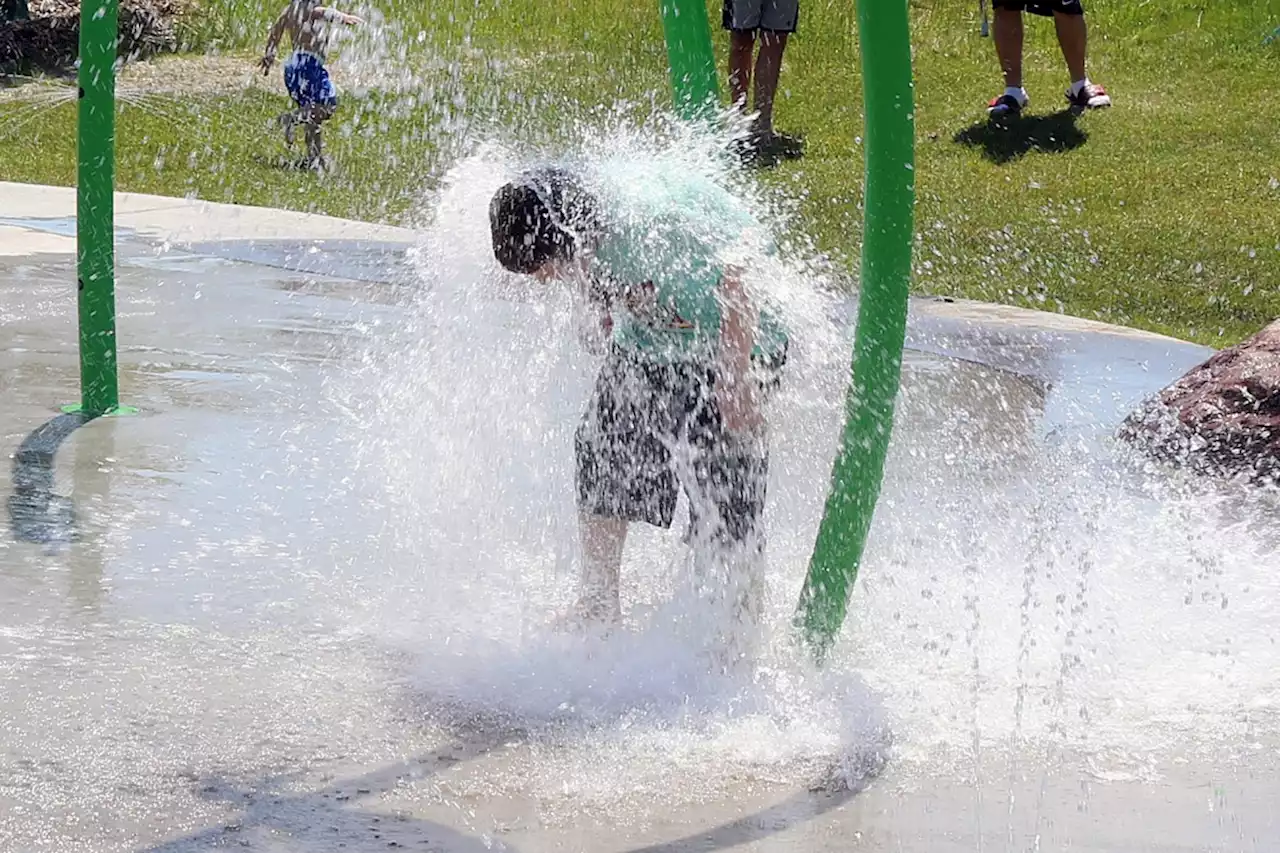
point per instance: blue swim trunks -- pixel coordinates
(308, 82)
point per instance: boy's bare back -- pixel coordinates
(307, 23)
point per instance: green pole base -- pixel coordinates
(113, 412)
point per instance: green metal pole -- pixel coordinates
(95, 207)
(885, 40)
(691, 58)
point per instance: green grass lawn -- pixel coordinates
(1161, 213)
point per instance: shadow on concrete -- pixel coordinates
(1005, 140)
(36, 514)
(800, 807)
(330, 819)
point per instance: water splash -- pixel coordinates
(1028, 546)
(467, 415)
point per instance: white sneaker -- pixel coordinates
(1090, 97)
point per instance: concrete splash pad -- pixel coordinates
(212, 650)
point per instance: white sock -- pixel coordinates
(1017, 92)
(1078, 85)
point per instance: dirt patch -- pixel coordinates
(198, 75)
(169, 75)
(181, 75)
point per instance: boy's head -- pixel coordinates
(540, 218)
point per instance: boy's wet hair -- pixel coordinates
(542, 215)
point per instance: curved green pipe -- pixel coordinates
(885, 37)
(691, 58)
(882, 321)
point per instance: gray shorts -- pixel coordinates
(640, 412)
(1041, 7)
(778, 16)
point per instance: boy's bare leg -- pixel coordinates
(1008, 39)
(314, 117)
(1073, 39)
(289, 121)
(315, 144)
(742, 45)
(602, 542)
(768, 69)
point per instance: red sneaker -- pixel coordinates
(1005, 106)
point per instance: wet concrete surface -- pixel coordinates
(177, 671)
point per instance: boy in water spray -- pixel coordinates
(657, 261)
(305, 77)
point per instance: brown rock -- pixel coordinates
(1221, 418)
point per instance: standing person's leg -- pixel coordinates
(778, 20)
(742, 19)
(1073, 39)
(323, 107)
(768, 69)
(1068, 19)
(742, 45)
(313, 117)
(315, 142)
(1007, 33)
(289, 121)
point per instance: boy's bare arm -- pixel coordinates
(739, 317)
(332, 15)
(593, 313)
(273, 41)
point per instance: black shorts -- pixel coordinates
(1041, 7)
(651, 428)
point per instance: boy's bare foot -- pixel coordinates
(586, 615)
(317, 163)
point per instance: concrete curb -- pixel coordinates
(989, 314)
(182, 221)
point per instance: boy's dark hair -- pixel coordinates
(542, 215)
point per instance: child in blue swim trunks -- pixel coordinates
(308, 25)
